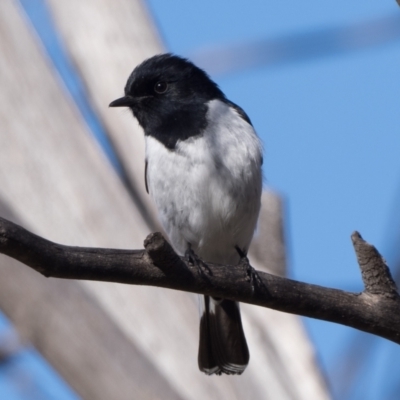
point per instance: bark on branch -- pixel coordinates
(376, 310)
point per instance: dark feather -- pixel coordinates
(239, 110)
(145, 177)
(223, 347)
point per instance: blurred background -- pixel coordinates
(321, 85)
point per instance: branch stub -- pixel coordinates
(375, 272)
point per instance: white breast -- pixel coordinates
(207, 191)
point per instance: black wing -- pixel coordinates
(240, 111)
(145, 177)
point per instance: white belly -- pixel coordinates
(207, 191)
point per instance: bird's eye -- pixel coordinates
(161, 87)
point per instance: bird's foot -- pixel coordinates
(251, 274)
(192, 258)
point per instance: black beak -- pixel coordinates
(125, 101)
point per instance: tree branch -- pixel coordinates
(376, 310)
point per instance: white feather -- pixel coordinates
(207, 191)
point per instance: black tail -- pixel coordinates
(223, 348)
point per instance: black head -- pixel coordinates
(168, 96)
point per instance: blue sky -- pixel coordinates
(330, 127)
(25, 375)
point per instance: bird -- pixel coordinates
(203, 169)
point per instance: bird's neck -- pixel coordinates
(178, 125)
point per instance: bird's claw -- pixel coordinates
(251, 274)
(192, 258)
